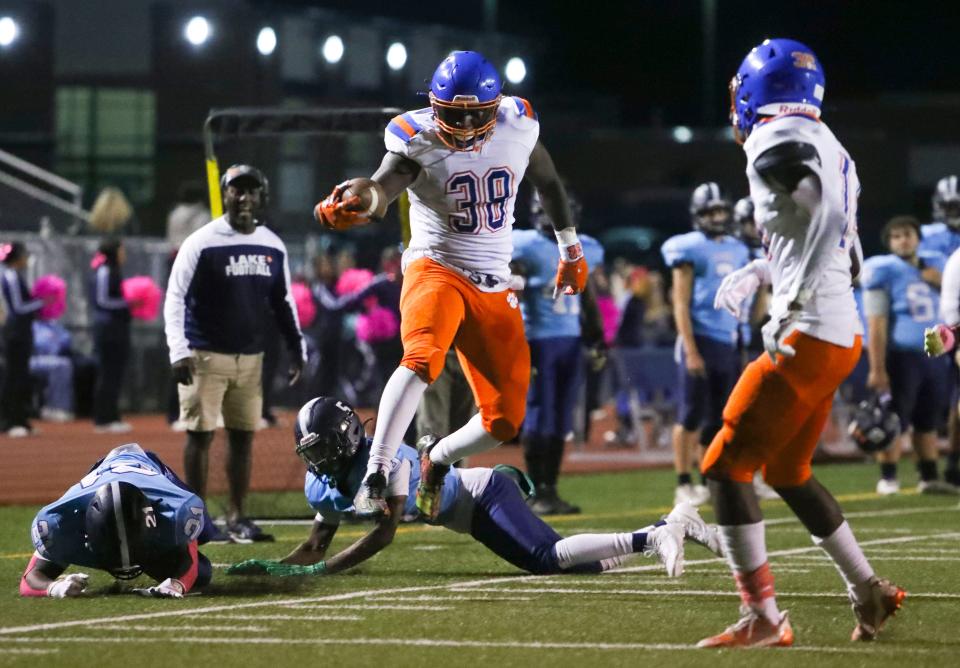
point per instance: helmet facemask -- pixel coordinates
(464, 124)
(739, 117)
(330, 451)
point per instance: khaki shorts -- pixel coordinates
(227, 384)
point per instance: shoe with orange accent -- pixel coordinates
(753, 630)
(885, 599)
(431, 479)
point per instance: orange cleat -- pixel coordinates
(753, 630)
(885, 599)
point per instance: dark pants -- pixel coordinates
(503, 522)
(112, 350)
(17, 384)
(702, 398)
(919, 387)
(557, 375)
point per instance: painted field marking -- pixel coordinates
(292, 618)
(691, 592)
(370, 606)
(140, 628)
(488, 644)
(453, 599)
(27, 650)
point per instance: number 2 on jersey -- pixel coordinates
(480, 202)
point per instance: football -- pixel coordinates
(373, 200)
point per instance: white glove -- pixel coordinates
(169, 588)
(735, 289)
(68, 585)
(776, 330)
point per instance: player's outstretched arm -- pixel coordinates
(379, 537)
(572, 271)
(314, 548)
(42, 578)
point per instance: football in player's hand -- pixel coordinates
(373, 200)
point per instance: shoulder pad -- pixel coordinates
(405, 127)
(524, 108)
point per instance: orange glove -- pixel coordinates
(340, 214)
(571, 277)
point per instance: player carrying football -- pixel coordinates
(462, 160)
(805, 188)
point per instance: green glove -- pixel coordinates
(274, 567)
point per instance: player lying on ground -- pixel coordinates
(805, 187)
(129, 515)
(486, 503)
(461, 161)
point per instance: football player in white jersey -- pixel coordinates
(804, 186)
(461, 159)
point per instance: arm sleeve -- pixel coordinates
(175, 304)
(328, 517)
(17, 305)
(285, 311)
(104, 300)
(876, 303)
(950, 291)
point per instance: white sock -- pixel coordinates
(744, 546)
(398, 404)
(849, 559)
(588, 547)
(468, 440)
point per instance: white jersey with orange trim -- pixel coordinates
(815, 259)
(462, 202)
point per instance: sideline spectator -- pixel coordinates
(111, 335)
(52, 364)
(189, 214)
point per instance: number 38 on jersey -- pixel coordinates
(480, 201)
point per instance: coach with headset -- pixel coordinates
(225, 276)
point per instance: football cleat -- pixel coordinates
(884, 601)
(753, 630)
(937, 487)
(665, 543)
(244, 531)
(431, 479)
(694, 528)
(888, 487)
(369, 501)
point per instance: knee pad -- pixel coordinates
(425, 360)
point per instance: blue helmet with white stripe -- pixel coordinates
(780, 76)
(117, 523)
(465, 95)
(710, 208)
(328, 435)
(946, 202)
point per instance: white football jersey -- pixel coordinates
(462, 202)
(827, 244)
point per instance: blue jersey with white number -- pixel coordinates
(712, 258)
(914, 305)
(543, 316)
(58, 529)
(939, 238)
(331, 501)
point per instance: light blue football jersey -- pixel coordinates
(914, 305)
(330, 502)
(58, 529)
(543, 316)
(939, 238)
(711, 259)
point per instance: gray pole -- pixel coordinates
(708, 76)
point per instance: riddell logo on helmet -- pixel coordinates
(804, 60)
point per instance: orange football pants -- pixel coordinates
(440, 308)
(776, 412)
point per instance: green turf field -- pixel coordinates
(438, 598)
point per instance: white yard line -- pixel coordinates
(289, 618)
(371, 606)
(27, 650)
(454, 599)
(177, 629)
(430, 643)
(579, 591)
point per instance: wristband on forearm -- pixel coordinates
(569, 244)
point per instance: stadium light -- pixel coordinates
(682, 134)
(396, 56)
(516, 70)
(9, 30)
(266, 41)
(197, 30)
(333, 49)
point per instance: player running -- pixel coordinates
(805, 187)
(486, 503)
(706, 348)
(129, 515)
(900, 303)
(462, 160)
